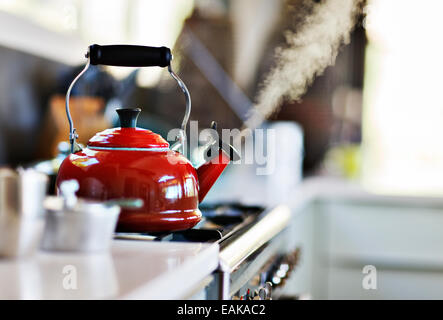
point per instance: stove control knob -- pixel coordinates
(268, 287)
(262, 294)
(284, 268)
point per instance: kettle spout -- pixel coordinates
(210, 171)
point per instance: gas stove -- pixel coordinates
(255, 255)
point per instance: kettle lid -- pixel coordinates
(128, 135)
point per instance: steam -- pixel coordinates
(310, 49)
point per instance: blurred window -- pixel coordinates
(83, 22)
(403, 108)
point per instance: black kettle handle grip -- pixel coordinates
(129, 56)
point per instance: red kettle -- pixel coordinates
(131, 162)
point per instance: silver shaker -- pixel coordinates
(22, 194)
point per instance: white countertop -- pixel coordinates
(132, 270)
(335, 189)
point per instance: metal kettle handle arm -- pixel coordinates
(72, 131)
(180, 143)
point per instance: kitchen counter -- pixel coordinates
(132, 270)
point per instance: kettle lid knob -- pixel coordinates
(128, 117)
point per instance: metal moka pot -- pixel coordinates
(22, 194)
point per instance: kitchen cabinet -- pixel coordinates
(341, 229)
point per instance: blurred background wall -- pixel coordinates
(239, 36)
(25, 87)
(374, 116)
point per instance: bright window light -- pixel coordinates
(403, 105)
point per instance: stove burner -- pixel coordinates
(225, 220)
(229, 209)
